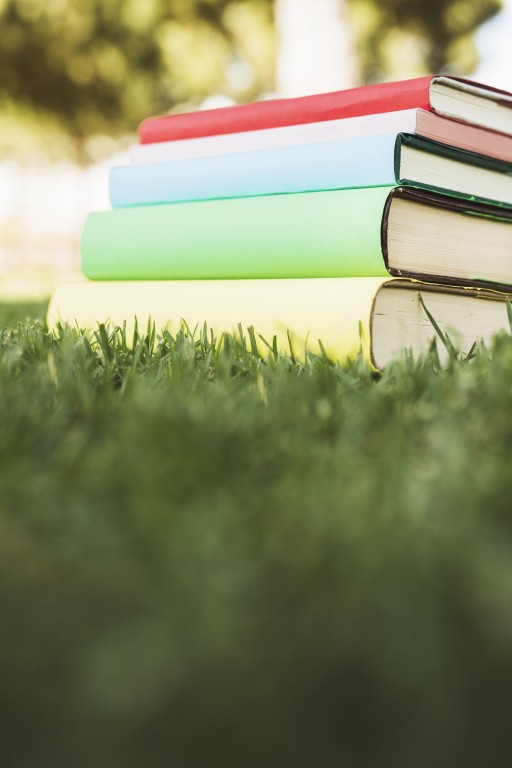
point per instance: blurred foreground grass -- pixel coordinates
(210, 560)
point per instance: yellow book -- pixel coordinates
(330, 309)
(380, 317)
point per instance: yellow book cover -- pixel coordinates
(343, 316)
(334, 310)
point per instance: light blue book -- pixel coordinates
(351, 163)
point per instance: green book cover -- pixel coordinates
(314, 234)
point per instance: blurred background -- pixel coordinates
(78, 76)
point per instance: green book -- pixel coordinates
(342, 233)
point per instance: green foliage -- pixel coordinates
(206, 558)
(104, 65)
(432, 37)
(101, 66)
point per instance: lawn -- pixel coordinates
(210, 559)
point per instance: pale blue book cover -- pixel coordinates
(366, 161)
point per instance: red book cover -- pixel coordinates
(365, 100)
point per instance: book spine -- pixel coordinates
(366, 100)
(351, 163)
(336, 311)
(317, 234)
(272, 138)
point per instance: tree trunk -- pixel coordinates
(315, 48)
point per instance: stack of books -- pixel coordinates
(292, 215)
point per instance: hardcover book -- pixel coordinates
(338, 315)
(354, 162)
(450, 97)
(417, 121)
(343, 233)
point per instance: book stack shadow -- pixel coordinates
(371, 218)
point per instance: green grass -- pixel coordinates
(207, 559)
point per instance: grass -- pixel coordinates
(207, 559)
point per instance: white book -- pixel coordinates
(269, 138)
(418, 121)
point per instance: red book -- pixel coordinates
(451, 97)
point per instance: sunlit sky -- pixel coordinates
(495, 46)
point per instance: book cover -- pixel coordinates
(336, 311)
(284, 136)
(418, 121)
(343, 316)
(368, 99)
(341, 233)
(317, 234)
(355, 162)
(450, 96)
